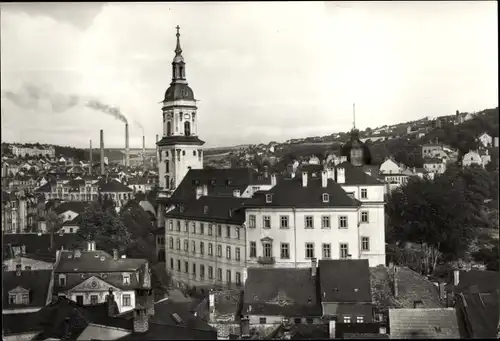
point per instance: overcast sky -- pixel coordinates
(262, 71)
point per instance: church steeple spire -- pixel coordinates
(178, 65)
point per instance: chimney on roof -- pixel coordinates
(236, 193)
(340, 175)
(90, 157)
(458, 112)
(127, 150)
(456, 277)
(245, 327)
(141, 321)
(205, 190)
(211, 304)
(102, 152)
(111, 304)
(115, 254)
(18, 271)
(266, 173)
(273, 179)
(304, 179)
(314, 264)
(324, 178)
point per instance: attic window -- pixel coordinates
(326, 197)
(228, 182)
(212, 182)
(196, 182)
(205, 209)
(181, 208)
(230, 213)
(126, 278)
(269, 198)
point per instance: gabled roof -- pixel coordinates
(481, 313)
(90, 261)
(218, 209)
(280, 291)
(219, 182)
(344, 280)
(35, 243)
(356, 175)
(435, 323)
(291, 193)
(44, 189)
(37, 282)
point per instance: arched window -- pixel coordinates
(181, 72)
(169, 128)
(187, 128)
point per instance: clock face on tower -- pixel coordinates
(187, 116)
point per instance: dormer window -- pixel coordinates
(228, 182)
(326, 197)
(230, 213)
(62, 280)
(269, 198)
(126, 278)
(205, 209)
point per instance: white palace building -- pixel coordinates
(219, 222)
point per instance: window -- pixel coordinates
(237, 254)
(262, 320)
(193, 247)
(359, 319)
(193, 229)
(187, 127)
(327, 251)
(170, 225)
(12, 298)
(238, 278)
(238, 233)
(205, 209)
(126, 302)
(178, 226)
(194, 269)
(171, 263)
(219, 231)
(267, 249)
(253, 249)
(309, 250)
(202, 271)
(209, 229)
(285, 251)
(347, 319)
(27, 267)
(179, 265)
(186, 224)
(228, 252)
(178, 244)
(251, 221)
(70, 230)
(210, 272)
(344, 251)
(219, 251)
(365, 244)
(219, 274)
(126, 278)
(269, 198)
(228, 231)
(202, 248)
(364, 216)
(210, 249)
(284, 222)
(186, 245)
(266, 221)
(297, 320)
(228, 276)
(343, 222)
(171, 242)
(325, 222)
(94, 299)
(62, 280)
(309, 222)
(202, 228)
(364, 193)
(326, 197)
(186, 267)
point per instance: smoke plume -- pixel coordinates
(139, 125)
(113, 111)
(36, 97)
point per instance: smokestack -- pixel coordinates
(127, 150)
(90, 163)
(102, 152)
(144, 152)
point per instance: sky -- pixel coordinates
(261, 71)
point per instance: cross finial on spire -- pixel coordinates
(178, 49)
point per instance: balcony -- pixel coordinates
(265, 260)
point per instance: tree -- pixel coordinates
(488, 257)
(434, 214)
(104, 227)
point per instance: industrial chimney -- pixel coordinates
(157, 150)
(127, 150)
(102, 152)
(144, 152)
(90, 162)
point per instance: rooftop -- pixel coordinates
(37, 282)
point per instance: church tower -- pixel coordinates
(180, 149)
